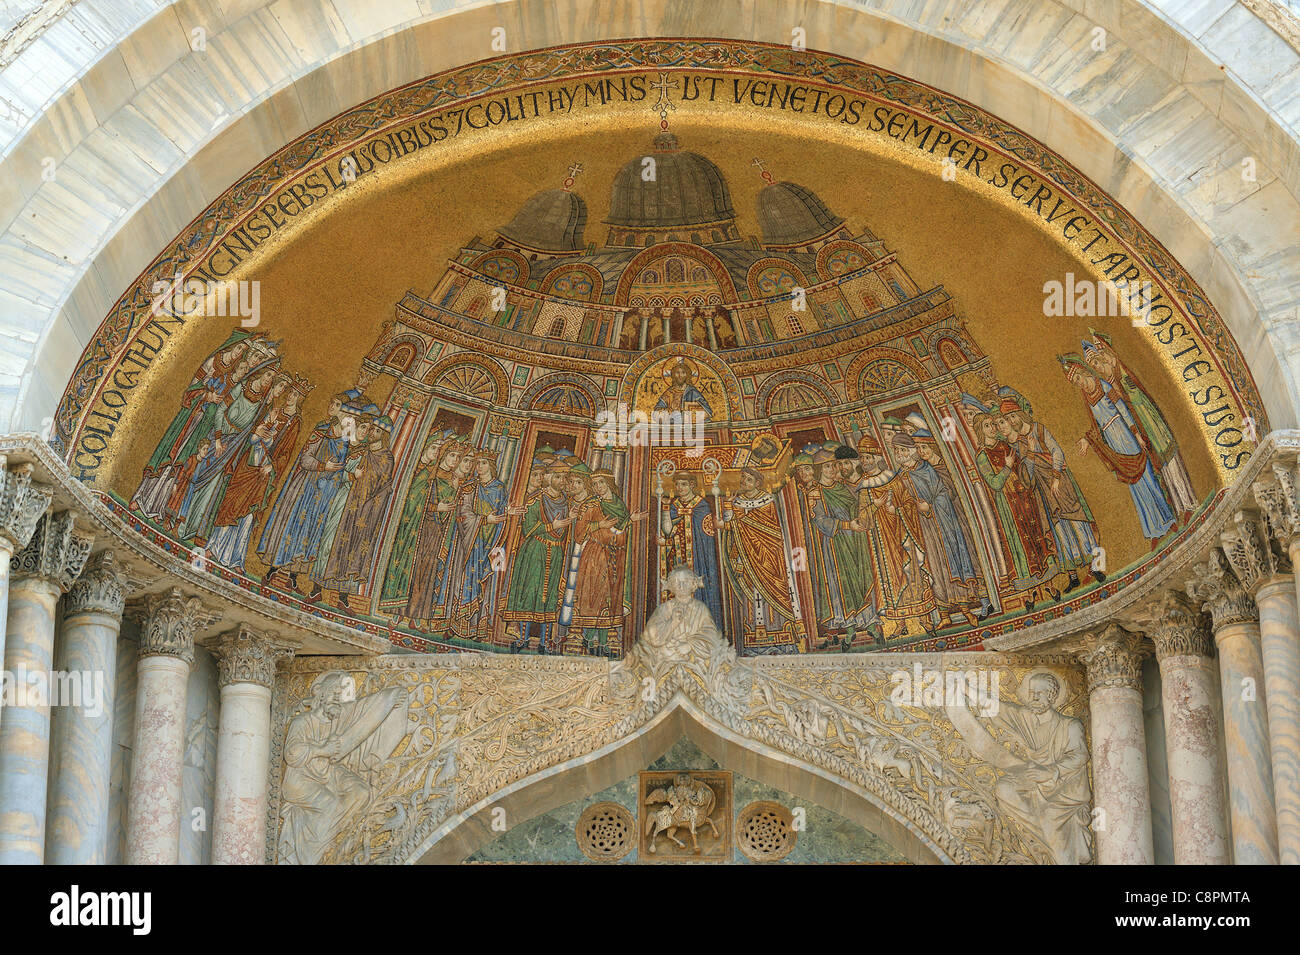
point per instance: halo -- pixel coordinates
(685, 362)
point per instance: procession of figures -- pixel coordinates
(909, 524)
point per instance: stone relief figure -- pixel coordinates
(688, 803)
(1043, 755)
(330, 750)
(682, 632)
(683, 623)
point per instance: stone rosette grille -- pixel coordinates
(765, 831)
(606, 832)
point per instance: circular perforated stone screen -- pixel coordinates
(606, 832)
(764, 831)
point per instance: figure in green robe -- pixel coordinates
(537, 577)
(397, 578)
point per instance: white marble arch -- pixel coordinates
(463, 834)
(143, 132)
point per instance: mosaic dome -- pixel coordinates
(792, 215)
(686, 189)
(551, 221)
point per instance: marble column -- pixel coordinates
(21, 506)
(1189, 693)
(1113, 659)
(1279, 628)
(1245, 720)
(42, 571)
(246, 664)
(81, 750)
(166, 650)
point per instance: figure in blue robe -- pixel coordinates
(956, 582)
(693, 544)
(481, 580)
(1115, 422)
(296, 524)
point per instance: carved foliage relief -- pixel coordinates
(1002, 777)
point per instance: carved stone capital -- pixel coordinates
(246, 656)
(1113, 658)
(1272, 501)
(1175, 625)
(21, 505)
(1248, 546)
(1218, 590)
(101, 588)
(168, 621)
(55, 552)
(1279, 501)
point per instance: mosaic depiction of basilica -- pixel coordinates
(895, 491)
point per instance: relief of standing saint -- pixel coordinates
(330, 749)
(1044, 759)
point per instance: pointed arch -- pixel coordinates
(463, 834)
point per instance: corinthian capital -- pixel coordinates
(56, 551)
(1218, 590)
(1279, 500)
(1249, 550)
(21, 504)
(168, 621)
(1175, 625)
(101, 588)
(1113, 657)
(246, 656)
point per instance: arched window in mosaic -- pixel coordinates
(566, 400)
(401, 356)
(468, 379)
(950, 353)
(885, 375)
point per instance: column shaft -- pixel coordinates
(243, 762)
(1190, 699)
(154, 805)
(83, 747)
(1279, 630)
(1119, 769)
(153, 812)
(22, 506)
(1121, 789)
(1245, 728)
(25, 729)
